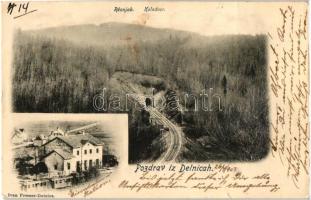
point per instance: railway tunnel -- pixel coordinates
(148, 102)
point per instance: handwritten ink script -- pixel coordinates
(92, 187)
(219, 176)
(19, 9)
(289, 91)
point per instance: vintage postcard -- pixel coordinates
(135, 99)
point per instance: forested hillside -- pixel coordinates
(63, 72)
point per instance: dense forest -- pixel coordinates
(55, 73)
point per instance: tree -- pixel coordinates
(172, 105)
(40, 168)
(224, 84)
(110, 160)
(23, 167)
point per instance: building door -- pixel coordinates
(78, 166)
(90, 163)
(97, 163)
(85, 165)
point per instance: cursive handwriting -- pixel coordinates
(288, 84)
(221, 176)
(92, 187)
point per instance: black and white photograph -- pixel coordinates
(71, 152)
(189, 97)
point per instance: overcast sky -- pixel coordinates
(199, 17)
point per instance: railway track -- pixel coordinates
(175, 137)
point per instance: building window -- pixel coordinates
(68, 166)
(85, 151)
(78, 152)
(90, 151)
(55, 167)
(90, 163)
(97, 151)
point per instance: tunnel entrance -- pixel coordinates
(148, 102)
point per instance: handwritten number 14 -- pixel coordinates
(22, 6)
(20, 9)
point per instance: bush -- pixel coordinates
(40, 168)
(110, 160)
(91, 173)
